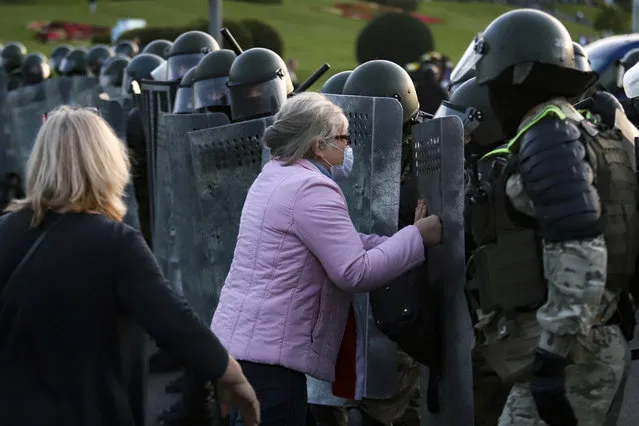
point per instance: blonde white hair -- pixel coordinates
(304, 119)
(77, 164)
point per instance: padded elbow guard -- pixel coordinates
(559, 181)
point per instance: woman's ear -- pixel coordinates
(317, 148)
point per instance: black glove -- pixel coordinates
(548, 388)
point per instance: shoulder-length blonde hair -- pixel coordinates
(77, 164)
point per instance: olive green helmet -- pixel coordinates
(471, 103)
(96, 57)
(75, 63)
(58, 54)
(517, 39)
(187, 51)
(139, 68)
(12, 56)
(112, 72)
(159, 47)
(384, 79)
(259, 83)
(126, 48)
(184, 95)
(211, 76)
(335, 84)
(35, 69)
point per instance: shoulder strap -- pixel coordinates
(34, 247)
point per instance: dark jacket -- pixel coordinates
(61, 321)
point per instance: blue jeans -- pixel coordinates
(281, 392)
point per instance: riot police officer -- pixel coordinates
(139, 69)
(96, 57)
(58, 54)
(209, 88)
(126, 48)
(184, 95)
(335, 84)
(11, 60)
(35, 69)
(380, 78)
(552, 292)
(159, 47)
(187, 51)
(259, 84)
(74, 64)
(112, 75)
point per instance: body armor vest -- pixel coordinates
(508, 260)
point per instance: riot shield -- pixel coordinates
(115, 112)
(156, 97)
(226, 161)
(438, 147)
(6, 158)
(79, 90)
(25, 108)
(372, 193)
(176, 197)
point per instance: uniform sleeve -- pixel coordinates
(575, 273)
(144, 294)
(372, 240)
(322, 222)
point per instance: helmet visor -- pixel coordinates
(631, 82)
(67, 65)
(470, 117)
(180, 64)
(159, 74)
(259, 99)
(127, 79)
(211, 92)
(621, 71)
(106, 80)
(183, 101)
(468, 61)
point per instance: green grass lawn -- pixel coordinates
(311, 35)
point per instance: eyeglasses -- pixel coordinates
(94, 110)
(345, 138)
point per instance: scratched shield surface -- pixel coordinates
(226, 161)
(372, 194)
(156, 97)
(438, 147)
(183, 196)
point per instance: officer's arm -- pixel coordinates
(559, 183)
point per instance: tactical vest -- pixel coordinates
(508, 261)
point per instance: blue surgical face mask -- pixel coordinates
(344, 170)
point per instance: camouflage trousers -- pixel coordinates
(594, 387)
(403, 409)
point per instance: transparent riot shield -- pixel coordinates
(79, 90)
(438, 147)
(25, 109)
(176, 197)
(226, 161)
(372, 193)
(156, 97)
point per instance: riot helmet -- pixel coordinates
(582, 62)
(96, 57)
(184, 95)
(526, 47)
(35, 69)
(58, 54)
(625, 63)
(461, 80)
(12, 56)
(187, 51)
(139, 68)
(126, 48)
(335, 84)
(160, 48)
(259, 84)
(211, 75)
(112, 72)
(384, 79)
(74, 63)
(471, 103)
